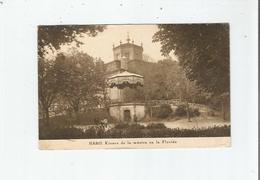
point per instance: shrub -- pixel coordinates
(129, 126)
(194, 112)
(164, 111)
(211, 113)
(60, 133)
(156, 126)
(94, 117)
(84, 118)
(181, 110)
(121, 126)
(132, 131)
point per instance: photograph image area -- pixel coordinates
(143, 81)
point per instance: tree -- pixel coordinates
(160, 80)
(170, 75)
(148, 58)
(186, 91)
(49, 86)
(203, 52)
(101, 75)
(81, 81)
(52, 38)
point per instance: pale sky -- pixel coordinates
(101, 45)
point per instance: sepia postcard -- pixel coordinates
(134, 86)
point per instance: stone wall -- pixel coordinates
(117, 111)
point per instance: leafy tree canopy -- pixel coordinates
(203, 52)
(52, 75)
(53, 37)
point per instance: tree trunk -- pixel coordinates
(188, 111)
(47, 116)
(151, 112)
(76, 113)
(223, 111)
(69, 112)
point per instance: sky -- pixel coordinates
(101, 45)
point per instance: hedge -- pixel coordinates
(132, 131)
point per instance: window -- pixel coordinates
(117, 56)
(126, 55)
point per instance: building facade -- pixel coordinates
(117, 71)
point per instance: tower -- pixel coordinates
(119, 79)
(128, 51)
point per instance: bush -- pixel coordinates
(181, 110)
(211, 113)
(129, 126)
(60, 133)
(84, 118)
(94, 117)
(156, 126)
(194, 112)
(164, 111)
(133, 131)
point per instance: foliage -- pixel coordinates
(60, 133)
(195, 112)
(181, 110)
(134, 94)
(164, 80)
(164, 111)
(50, 78)
(80, 80)
(100, 72)
(155, 126)
(128, 126)
(75, 80)
(49, 86)
(132, 131)
(159, 112)
(90, 117)
(203, 52)
(53, 37)
(159, 84)
(94, 117)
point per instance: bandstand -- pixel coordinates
(119, 108)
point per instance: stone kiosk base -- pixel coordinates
(126, 112)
